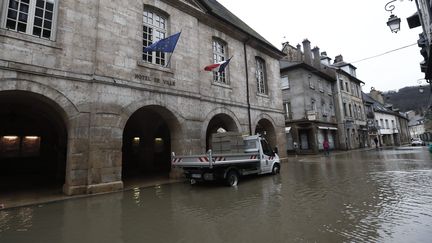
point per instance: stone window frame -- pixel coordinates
(261, 75)
(220, 54)
(38, 18)
(159, 24)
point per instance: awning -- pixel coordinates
(287, 129)
(328, 128)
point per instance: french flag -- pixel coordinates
(220, 66)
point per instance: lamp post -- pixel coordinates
(393, 22)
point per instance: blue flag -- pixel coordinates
(165, 45)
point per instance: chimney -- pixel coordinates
(377, 95)
(307, 52)
(299, 53)
(317, 57)
(325, 60)
(338, 59)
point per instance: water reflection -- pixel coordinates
(374, 196)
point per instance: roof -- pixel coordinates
(218, 10)
(351, 77)
(286, 66)
(416, 120)
(380, 108)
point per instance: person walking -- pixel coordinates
(326, 147)
(376, 142)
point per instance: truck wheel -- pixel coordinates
(231, 178)
(276, 169)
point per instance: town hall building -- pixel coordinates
(85, 108)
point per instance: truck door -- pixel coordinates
(267, 157)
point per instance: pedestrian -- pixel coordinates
(376, 142)
(326, 147)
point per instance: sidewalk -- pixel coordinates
(50, 194)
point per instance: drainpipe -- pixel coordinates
(247, 87)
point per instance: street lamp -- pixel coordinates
(393, 22)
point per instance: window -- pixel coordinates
(313, 105)
(345, 109)
(347, 87)
(320, 86)
(341, 84)
(154, 29)
(287, 109)
(33, 17)
(393, 124)
(350, 110)
(261, 76)
(355, 111)
(285, 82)
(220, 55)
(311, 84)
(382, 123)
(387, 124)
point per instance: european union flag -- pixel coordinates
(165, 45)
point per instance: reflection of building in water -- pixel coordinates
(107, 112)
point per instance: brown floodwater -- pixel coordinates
(372, 196)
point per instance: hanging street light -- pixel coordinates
(393, 22)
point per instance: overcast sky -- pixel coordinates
(355, 29)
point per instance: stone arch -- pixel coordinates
(68, 109)
(265, 125)
(218, 117)
(152, 130)
(45, 112)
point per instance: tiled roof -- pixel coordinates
(221, 12)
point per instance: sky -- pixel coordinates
(356, 29)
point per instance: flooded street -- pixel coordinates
(362, 196)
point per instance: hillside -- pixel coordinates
(408, 98)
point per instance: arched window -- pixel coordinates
(154, 29)
(220, 55)
(261, 76)
(33, 17)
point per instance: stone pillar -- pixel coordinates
(105, 154)
(77, 155)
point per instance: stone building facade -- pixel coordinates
(84, 105)
(353, 132)
(389, 126)
(307, 91)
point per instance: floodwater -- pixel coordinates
(369, 196)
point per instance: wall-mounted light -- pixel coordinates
(10, 137)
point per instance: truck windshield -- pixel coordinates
(266, 148)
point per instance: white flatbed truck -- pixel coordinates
(257, 158)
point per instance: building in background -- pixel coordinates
(307, 92)
(388, 125)
(353, 130)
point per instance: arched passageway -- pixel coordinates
(33, 142)
(267, 130)
(147, 143)
(220, 123)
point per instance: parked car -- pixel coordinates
(417, 142)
